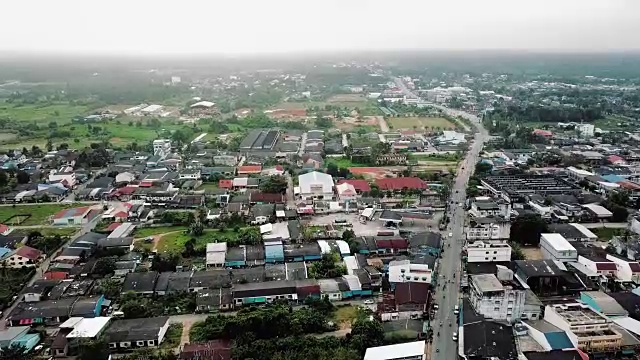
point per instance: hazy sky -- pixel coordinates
(265, 26)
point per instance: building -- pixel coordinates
(402, 271)
(485, 209)
(488, 228)
(496, 299)
(627, 270)
(260, 140)
(74, 216)
(484, 251)
(587, 329)
(515, 188)
(405, 351)
(210, 350)
(264, 292)
(316, 185)
(361, 186)
(346, 192)
(64, 175)
(136, 333)
(216, 253)
(401, 183)
(18, 336)
(23, 257)
(76, 330)
(556, 247)
(162, 148)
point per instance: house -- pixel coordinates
(398, 184)
(23, 257)
(5, 230)
(410, 301)
(497, 297)
(215, 256)
(264, 292)
(245, 183)
(426, 242)
(74, 216)
(191, 174)
(225, 184)
(628, 270)
(140, 283)
(485, 209)
(136, 333)
(316, 185)
(360, 186)
(346, 192)
(210, 350)
(76, 330)
(616, 160)
(312, 161)
(403, 271)
(601, 266)
(18, 336)
(488, 228)
(249, 169)
(125, 177)
(488, 251)
(64, 175)
(53, 312)
(214, 300)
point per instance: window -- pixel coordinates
(113, 345)
(496, 309)
(151, 343)
(487, 253)
(125, 344)
(487, 259)
(415, 278)
(495, 252)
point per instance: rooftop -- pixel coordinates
(396, 351)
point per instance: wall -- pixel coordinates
(484, 253)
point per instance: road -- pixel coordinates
(42, 268)
(449, 266)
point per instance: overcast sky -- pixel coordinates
(267, 26)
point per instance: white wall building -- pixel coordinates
(65, 173)
(496, 299)
(556, 247)
(404, 271)
(488, 229)
(346, 192)
(404, 351)
(482, 251)
(627, 270)
(586, 130)
(162, 147)
(316, 185)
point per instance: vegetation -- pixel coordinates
(329, 266)
(136, 306)
(421, 123)
(526, 229)
(13, 280)
(39, 214)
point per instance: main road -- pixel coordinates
(447, 294)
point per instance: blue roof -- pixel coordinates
(4, 251)
(558, 340)
(613, 178)
(274, 251)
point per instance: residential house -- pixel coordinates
(136, 333)
(249, 170)
(18, 336)
(346, 192)
(410, 302)
(214, 300)
(497, 297)
(488, 228)
(22, 257)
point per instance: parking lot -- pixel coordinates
(371, 228)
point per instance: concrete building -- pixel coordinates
(483, 251)
(316, 185)
(488, 228)
(65, 175)
(73, 216)
(556, 247)
(162, 147)
(587, 329)
(498, 297)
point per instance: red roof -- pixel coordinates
(279, 168)
(113, 226)
(401, 183)
(249, 169)
(266, 197)
(225, 184)
(608, 266)
(392, 244)
(412, 293)
(55, 275)
(3, 228)
(71, 212)
(635, 267)
(211, 350)
(121, 214)
(146, 183)
(359, 185)
(28, 252)
(127, 190)
(629, 185)
(542, 132)
(613, 158)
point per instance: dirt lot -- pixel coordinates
(420, 123)
(350, 123)
(532, 253)
(371, 228)
(352, 99)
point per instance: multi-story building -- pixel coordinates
(405, 351)
(162, 147)
(556, 247)
(498, 299)
(587, 329)
(401, 271)
(488, 228)
(65, 175)
(483, 251)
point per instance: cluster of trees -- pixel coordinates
(95, 156)
(550, 114)
(9, 179)
(335, 171)
(526, 229)
(328, 267)
(617, 203)
(46, 244)
(135, 306)
(184, 218)
(274, 184)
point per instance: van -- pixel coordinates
(118, 314)
(456, 310)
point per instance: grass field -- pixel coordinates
(605, 234)
(345, 315)
(61, 231)
(208, 186)
(342, 162)
(149, 231)
(174, 242)
(58, 112)
(40, 213)
(420, 123)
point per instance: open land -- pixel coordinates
(420, 123)
(39, 213)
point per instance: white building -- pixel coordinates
(193, 174)
(482, 251)
(556, 247)
(484, 228)
(404, 271)
(484, 208)
(316, 185)
(496, 299)
(578, 174)
(346, 192)
(451, 137)
(175, 80)
(586, 130)
(162, 147)
(65, 174)
(404, 351)
(627, 270)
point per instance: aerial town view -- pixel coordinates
(287, 193)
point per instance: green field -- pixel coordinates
(342, 162)
(40, 213)
(208, 186)
(61, 112)
(421, 123)
(60, 231)
(174, 242)
(150, 231)
(605, 234)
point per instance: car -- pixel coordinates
(450, 234)
(148, 239)
(455, 336)
(369, 301)
(456, 310)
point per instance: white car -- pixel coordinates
(369, 302)
(456, 310)
(455, 336)
(450, 234)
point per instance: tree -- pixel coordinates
(323, 122)
(110, 288)
(163, 263)
(105, 266)
(366, 333)
(483, 167)
(23, 177)
(49, 145)
(332, 169)
(93, 350)
(15, 352)
(4, 179)
(275, 184)
(526, 229)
